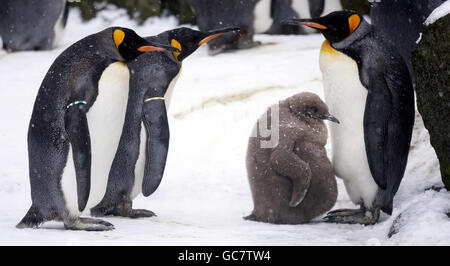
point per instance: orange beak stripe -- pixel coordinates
(209, 38)
(149, 48)
(314, 25)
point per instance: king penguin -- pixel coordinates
(139, 162)
(64, 149)
(367, 85)
(213, 14)
(32, 24)
(269, 14)
(401, 22)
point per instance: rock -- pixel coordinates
(396, 225)
(430, 60)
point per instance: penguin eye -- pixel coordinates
(314, 109)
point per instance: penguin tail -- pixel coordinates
(387, 208)
(384, 201)
(250, 217)
(32, 219)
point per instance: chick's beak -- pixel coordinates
(330, 118)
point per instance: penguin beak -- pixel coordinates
(306, 22)
(152, 47)
(331, 118)
(216, 33)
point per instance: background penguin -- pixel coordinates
(140, 159)
(63, 144)
(213, 14)
(293, 182)
(367, 85)
(401, 22)
(276, 11)
(32, 24)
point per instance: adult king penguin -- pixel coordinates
(367, 85)
(66, 112)
(213, 14)
(139, 162)
(401, 22)
(32, 24)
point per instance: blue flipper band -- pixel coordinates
(75, 103)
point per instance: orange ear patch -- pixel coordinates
(118, 36)
(174, 43)
(353, 22)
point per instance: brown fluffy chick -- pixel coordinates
(293, 182)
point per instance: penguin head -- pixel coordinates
(188, 40)
(309, 106)
(335, 26)
(130, 45)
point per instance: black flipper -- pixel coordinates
(78, 131)
(377, 114)
(157, 127)
(316, 8)
(388, 124)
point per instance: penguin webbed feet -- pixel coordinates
(354, 216)
(123, 209)
(88, 224)
(250, 217)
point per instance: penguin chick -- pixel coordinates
(293, 182)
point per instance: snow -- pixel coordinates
(441, 11)
(204, 193)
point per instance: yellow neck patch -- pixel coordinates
(174, 43)
(119, 35)
(327, 48)
(353, 22)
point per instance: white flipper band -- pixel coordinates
(154, 99)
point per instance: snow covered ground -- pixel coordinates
(204, 193)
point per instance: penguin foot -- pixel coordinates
(88, 224)
(251, 217)
(140, 213)
(349, 216)
(122, 209)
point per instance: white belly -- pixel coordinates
(263, 19)
(105, 118)
(346, 98)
